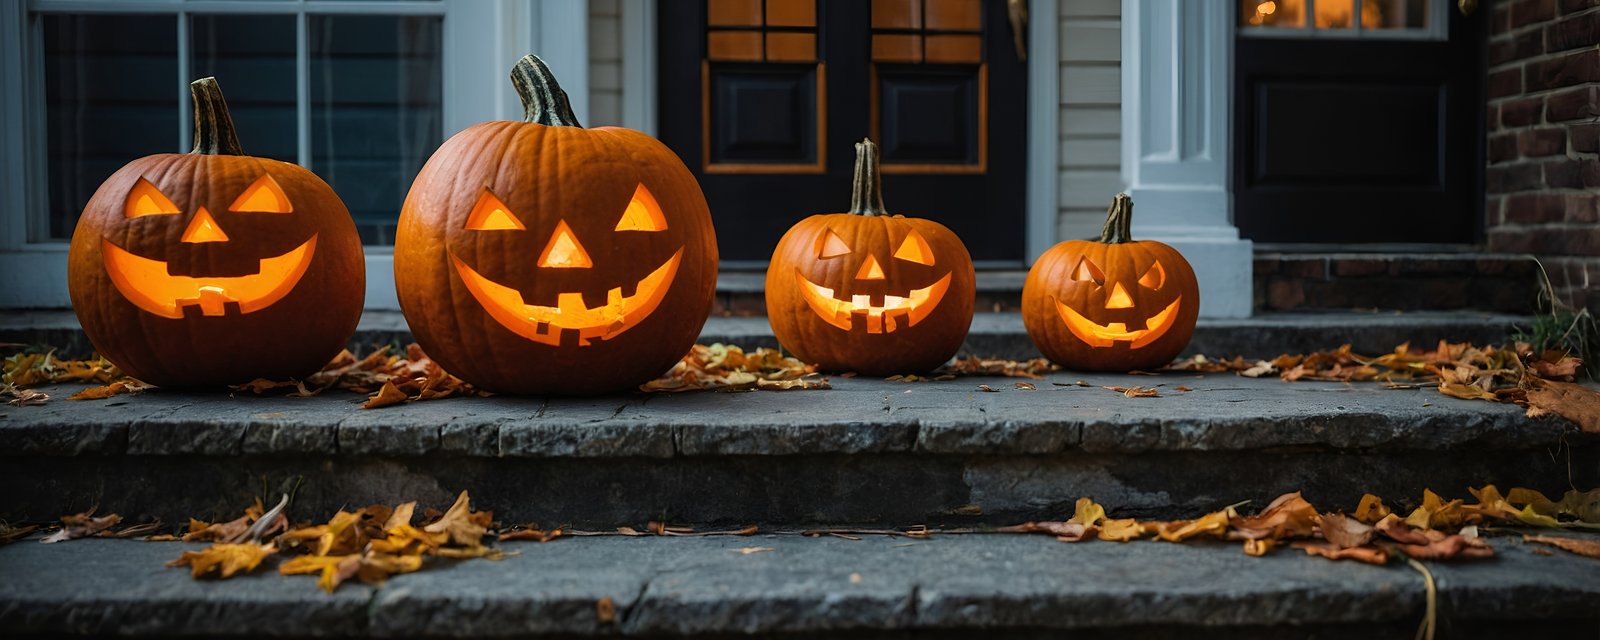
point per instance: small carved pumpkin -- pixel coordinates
(542, 257)
(213, 267)
(869, 292)
(1112, 305)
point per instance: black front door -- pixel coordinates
(1358, 126)
(763, 100)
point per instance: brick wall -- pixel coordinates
(1543, 178)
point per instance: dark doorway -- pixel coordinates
(764, 101)
(1358, 128)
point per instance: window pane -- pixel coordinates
(253, 59)
(111, 95)
(375, 110)
(1272, 13)
(1394, 14)
(1335, 14)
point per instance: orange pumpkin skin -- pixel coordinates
(834, 280)
(1079, 291)
(237, 335)
(566, 186)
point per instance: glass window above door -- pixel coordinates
(1372, 19)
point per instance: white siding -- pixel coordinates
(1091, 116)
(605, 63)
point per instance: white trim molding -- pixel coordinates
(1044, 118)
(639, 65)
(1177, 68)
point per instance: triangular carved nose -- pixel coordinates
(870, 270)
(564, 251)
(1119, 298)
(204, 228)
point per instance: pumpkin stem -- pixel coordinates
(866, 193)
(213, 127)
(1119, 221)
(543, 101)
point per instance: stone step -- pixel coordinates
(869, 451)
(996, 335)
(944, 586)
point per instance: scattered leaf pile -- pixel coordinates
(1435, 530)
(86, 525)
(975, 366)
(721, 367)
(369, 544)
(387, 379)
(1540, 382)
(24, 370)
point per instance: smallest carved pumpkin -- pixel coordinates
(1112, 305)
(868, 292)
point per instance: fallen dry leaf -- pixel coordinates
(1582, 546)
(534, 534)
(126, 385)
(1579, 404)
(1331, 551)
(10, 534)
(1287, 516)
(1371, 509)
(605, 610)
(82, 525)
(224, 559)
(464, 527)
(749, 550)
(1345, 532)
(1135, 392)
(1120, 530)
(387, 395)
(720, 367)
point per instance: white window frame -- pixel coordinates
(1437, 28)
(482, 39)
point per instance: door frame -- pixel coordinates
(639, 95)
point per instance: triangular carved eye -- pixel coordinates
(832, 246)
(915, 249)
(146, 200)
(1154, 278)
(1087, 271)
(264, 196)
(643, 213)
(490, 214)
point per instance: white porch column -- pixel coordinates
(1177, 65)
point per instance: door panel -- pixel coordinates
(786, 87)
(1360, 139)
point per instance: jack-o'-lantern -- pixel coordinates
(1112, 305)
(214, 267)
(540, 257)
(870, 292)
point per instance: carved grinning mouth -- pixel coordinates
(1099, 335)
(146, 283)
(544, 324)
(885, 318)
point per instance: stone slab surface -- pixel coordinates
(868, 451)
(705, 586)
(1219, 412)
(998, 335)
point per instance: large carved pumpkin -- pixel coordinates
(214, 267)
(542, 257)
(1112, 305)
(869, 292)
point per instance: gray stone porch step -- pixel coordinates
(997, 335)
(979, 585)
(866, 452)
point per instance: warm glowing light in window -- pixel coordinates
(1267, 8)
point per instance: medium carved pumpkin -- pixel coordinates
(1112, 305)
(214, 267)
(540, 257)
(869, 292)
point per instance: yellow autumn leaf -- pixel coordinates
(1087, 513)
(1528, 516)
(462, 525)
(1371, 509)
(334, 569)
(224, 559)
(1120, 530)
